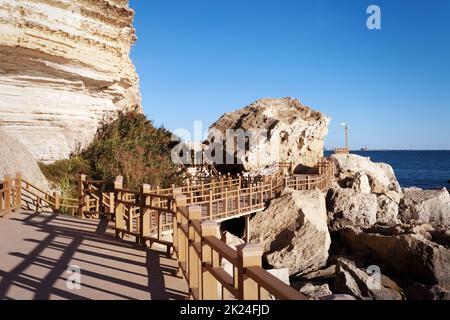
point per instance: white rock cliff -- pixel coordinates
(64, 67)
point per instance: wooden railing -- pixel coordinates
(199, 252)
(94, 200)
(191, 213)
(322, 181)
(9, 196)
(342, 151)
(16, 194)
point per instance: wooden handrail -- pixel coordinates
(199, 250)
(273, 285)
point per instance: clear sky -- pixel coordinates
(198, 59)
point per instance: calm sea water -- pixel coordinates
(423, 169)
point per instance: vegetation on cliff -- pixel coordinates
(130, 146)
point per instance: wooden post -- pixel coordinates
(194, 261)
(247, 229)
(210, 205)
(179, 236)
(225, 204)
(250, 195)
(18, 187)
(81, 198)
(7, 193)
(249, 255)
(238, 205)
(111, 203)
(209, 283)
(144, 214)
(57, 197)
(118, 207)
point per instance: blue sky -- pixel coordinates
(198, 59)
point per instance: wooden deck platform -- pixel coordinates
(36, 250)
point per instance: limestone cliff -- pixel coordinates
(278, 130)
(64, 67)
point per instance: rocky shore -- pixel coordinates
(364, 238)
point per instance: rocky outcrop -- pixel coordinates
(425, 206)
(354, 281)
(381, 176)
(278, 130)
(409, 252)
(360, 183)
(316, 291)
(14, 158)
(293, 231)
(347, 207)
(64, 67)
(421, 292)
(387, 210)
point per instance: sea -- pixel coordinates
(423, 169)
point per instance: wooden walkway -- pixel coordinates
(36, 250)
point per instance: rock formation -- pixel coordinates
(349, 208)
(381, 176)
(64, 67)
(426, 206)
(278, 130)
(293, 231)
(410, 252)
(354, 281)
(14, 157)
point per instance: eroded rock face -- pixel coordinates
(316, 291)
(408, 251)
(352, 280)
(347, 207)
(387, 210)
(64, 67)
(426, 206)
(293, 231)
(14, 157)
(286, 131)
(381, 176)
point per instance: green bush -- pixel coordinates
(132, 147)
(63, 174)
(129, 146)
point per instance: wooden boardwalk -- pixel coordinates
(38, 248)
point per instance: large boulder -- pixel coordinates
(409, 252)
(347, 207)
(280, 130)
(293, 231)
(425, 206)
(354, 281)
(14, 157)
(381, 176)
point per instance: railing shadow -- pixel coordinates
(71, 241)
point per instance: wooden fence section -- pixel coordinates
(326, 173)
(342, 151)
(94, 200)
(18, 193)
(199, 252)
(10, 195)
